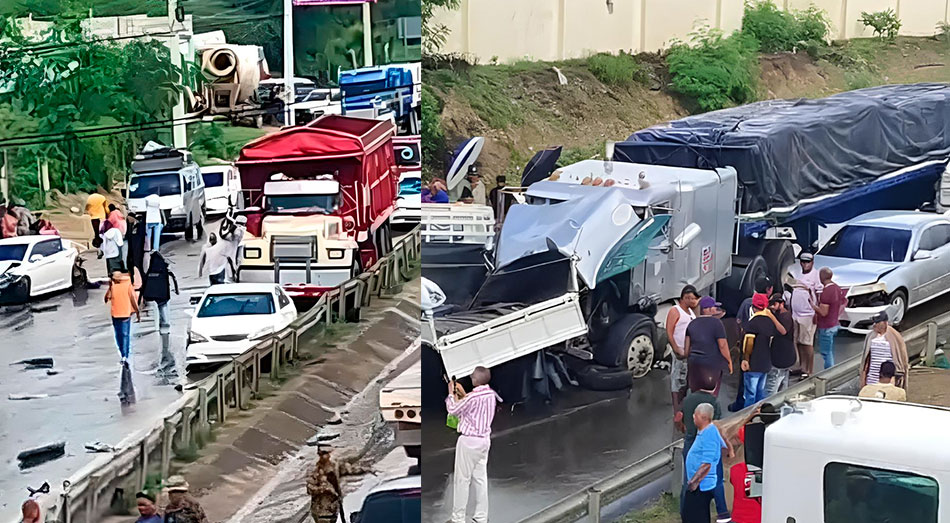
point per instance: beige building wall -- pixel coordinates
(559, 29)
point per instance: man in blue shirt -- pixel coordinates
(702, 463)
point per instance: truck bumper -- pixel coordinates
(322, 277)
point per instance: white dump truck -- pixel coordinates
(400, 403)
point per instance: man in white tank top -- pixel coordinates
(676, 322)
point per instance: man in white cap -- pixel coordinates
(803, 294)
(181, 507)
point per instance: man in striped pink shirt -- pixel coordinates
(475, 411)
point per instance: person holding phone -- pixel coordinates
(475, 411)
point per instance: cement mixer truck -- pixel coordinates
(232, 74)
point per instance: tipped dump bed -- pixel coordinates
(786, 151)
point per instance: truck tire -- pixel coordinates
(629, 345)
(756, 269)
(599, 377)
(779, 256)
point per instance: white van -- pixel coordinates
(222, 186)
(176, 179)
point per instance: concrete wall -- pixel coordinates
(560, 29)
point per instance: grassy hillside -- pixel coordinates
(522, 107)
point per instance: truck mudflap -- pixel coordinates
(513, 335)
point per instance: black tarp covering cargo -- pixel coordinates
(786, 151)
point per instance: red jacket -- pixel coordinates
(744, 508)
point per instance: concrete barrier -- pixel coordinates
(211, 401)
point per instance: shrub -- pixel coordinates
(716, 71)
(433, 139)
(780, 30)
(886, 24)
(621, 69)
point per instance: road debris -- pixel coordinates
(22, 397)
(39, 455)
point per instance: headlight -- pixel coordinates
(194, 337)
(868, 288)
(262, 333)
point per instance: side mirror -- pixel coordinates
(923, 254)
(35, 258)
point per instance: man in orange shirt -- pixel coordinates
(124, 302)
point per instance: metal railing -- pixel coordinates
(921, 343)
(212, 400)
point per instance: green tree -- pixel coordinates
(434, 34)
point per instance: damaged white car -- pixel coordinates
(32, 266)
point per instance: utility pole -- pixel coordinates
(4, 183)
(179, 133)
(367, 35)
(290, 93)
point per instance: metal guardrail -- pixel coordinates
(213, 399)
(631, 478)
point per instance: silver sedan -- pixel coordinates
(888, 261)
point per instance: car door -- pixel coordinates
(927, 267)
(43, 261)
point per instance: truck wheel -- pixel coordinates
(629, 344)
(756, 269)
(599, 377)
(779, 256)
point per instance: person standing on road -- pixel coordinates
(884, 389)
(97, 211)
(677, 321)
(135, 238)
(181, 507)
(154, 220)
(830, 303)
(694, 399)
(117, 220)
(112, 243)
(783, 347)
(884, 344)
(155, 288)
(702, 463)
(324, 488)
(148, 512)
(804, 293)
(764, 287)
(217, 257)
(707, 351)
(756, 349)
(475, 411)
(121, 296)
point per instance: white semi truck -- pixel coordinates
(400, 403)
(841, 459)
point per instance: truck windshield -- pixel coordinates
(160, 184)
(392, 507)
(862, 242)
(12, 252)
(236, 305)
(213, 179)
(410, 186)
(321, 203)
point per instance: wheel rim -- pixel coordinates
(640, 355)
(897, 301)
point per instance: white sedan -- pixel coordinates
(31, 266)
(231, 318)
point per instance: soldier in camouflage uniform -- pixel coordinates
(181, 507)
(324, 486)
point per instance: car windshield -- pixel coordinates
(160, 184)
(236, 305)
(863, 242)
(392, 507)
(12, 252)
(321, 203)
(213, 179)
(410, 186)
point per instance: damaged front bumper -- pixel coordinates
(14, 289)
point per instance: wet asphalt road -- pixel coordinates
(539, 457)
(75, 329)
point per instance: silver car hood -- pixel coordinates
(850, 272)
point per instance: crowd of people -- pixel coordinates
(471, 190)
(18, 220)
(778, 332)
